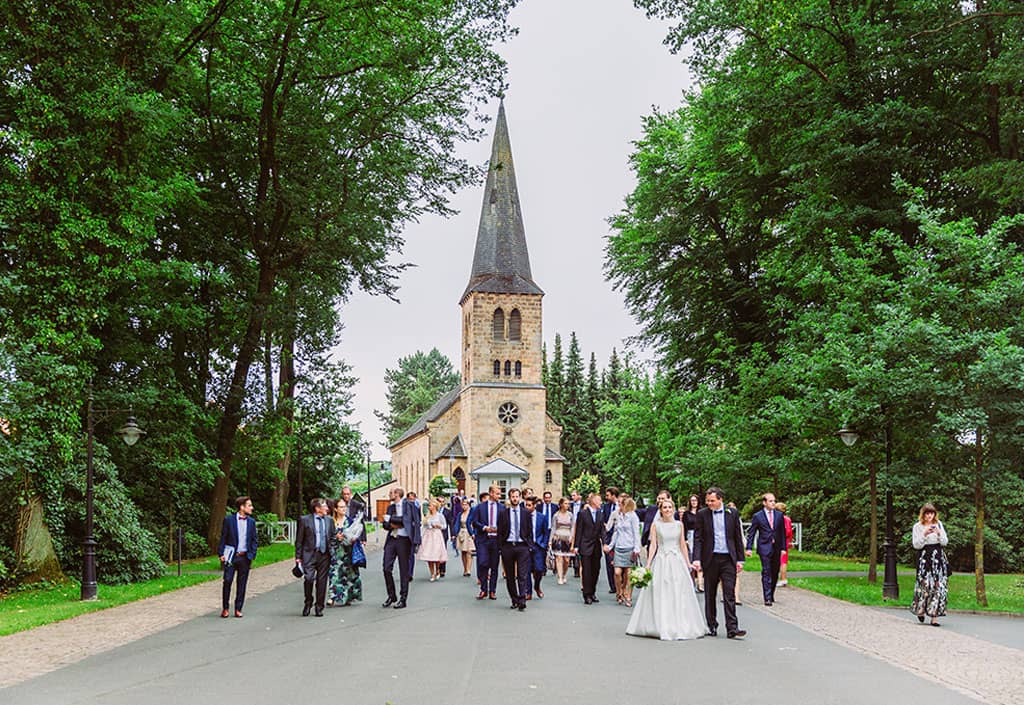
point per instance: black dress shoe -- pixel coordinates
(738, 634)
(920, 618)
(594, 599)
(388, 602)
(306, 609)
(400, 605)
(713, 632)
(522, 606)
(588, 601)
(612, 591)
(318, 613)
(768, 603)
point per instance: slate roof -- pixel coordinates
(498, 466)
(432, 414)
(455, 449)
(501, 262)
(552, 455)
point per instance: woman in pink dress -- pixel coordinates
(432, 548)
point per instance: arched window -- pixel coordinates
(498, 324)
(519, 368)
(515, 325)
(547, 477)
(508, 368)
(497, 368)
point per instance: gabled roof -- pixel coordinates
(498, 466)
(455, 449)
(552, 455)
(501, 263)
(432, 414)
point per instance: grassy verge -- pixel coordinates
(33, 607)
(806, 561)
(1005, 592)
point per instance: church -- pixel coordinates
(494, 427)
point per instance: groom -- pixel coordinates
(718, 551)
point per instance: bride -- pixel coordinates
(667, 608)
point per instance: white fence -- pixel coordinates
(279, 531)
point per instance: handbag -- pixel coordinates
(358, 555)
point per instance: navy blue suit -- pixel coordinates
(771, 542)
(242, 560)
(487, 552)
(538, 551)
(606, 512)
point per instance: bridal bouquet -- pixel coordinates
(640, 578)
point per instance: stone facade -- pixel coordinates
(500, 410)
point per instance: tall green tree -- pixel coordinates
(413, 386)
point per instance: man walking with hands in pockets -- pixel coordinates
(718, 551)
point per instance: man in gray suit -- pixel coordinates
(312, 554)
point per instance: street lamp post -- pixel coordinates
(890, 585)
(130, 433)
(369, 510)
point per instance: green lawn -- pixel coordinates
(806, 561)
(25, 609)
(1005, 592)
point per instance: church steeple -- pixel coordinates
(501, 263)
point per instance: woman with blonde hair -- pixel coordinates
(624, 546)
(464, 540)
(931, 587)
(561, 539)
(432, 548)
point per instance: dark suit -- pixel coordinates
(487, 552)
(538, 551)
(241, 561)
(606, 512)
(316, 559)
(719, 566)
(401, 548)
(515, 555)
(588, 539)
(650, 514)
(547, 510)
(771, 542)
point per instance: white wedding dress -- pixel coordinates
(667, 608)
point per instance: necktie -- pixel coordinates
(515, 525)
(491, 521)
(771, 519)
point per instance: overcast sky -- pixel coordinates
(581, 75)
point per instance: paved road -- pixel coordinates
(449, 649)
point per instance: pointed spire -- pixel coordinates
(501, 263)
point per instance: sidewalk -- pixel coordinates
(37, 651)
(983, 670)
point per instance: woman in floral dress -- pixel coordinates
(932, 585)
(345, 585)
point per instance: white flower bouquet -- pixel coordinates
(640, 577)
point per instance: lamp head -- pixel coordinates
(848, 435)
(130, 433)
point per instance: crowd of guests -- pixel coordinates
(695, 550)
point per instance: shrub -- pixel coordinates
(585, 483)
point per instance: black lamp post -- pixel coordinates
(130, 433)
(369, 509)
(890, 585)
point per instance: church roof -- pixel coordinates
(500, 467)
(455, 449)
(432, 414)
(552, 455)
(501, 263)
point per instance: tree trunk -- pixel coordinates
(33, 545)
(233, 404)
(286, 389)
(979, 523)
(873, 540)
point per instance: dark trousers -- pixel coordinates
(515, 558)
(770, 564)
(487, 562)
(590, 565)
(240, 567)
(722, 568)
(397, 548)
(538, 568)
(316, 572)
(609, 567)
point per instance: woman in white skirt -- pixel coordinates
(667, 608)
